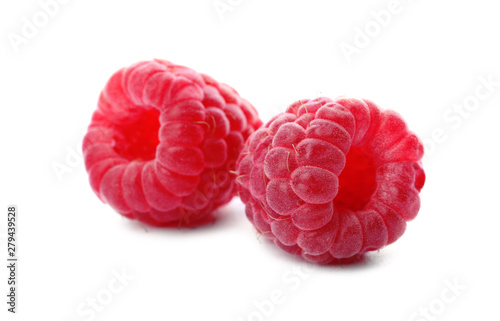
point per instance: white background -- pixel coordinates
(428, 58)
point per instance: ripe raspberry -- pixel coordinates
(332, 179)
(163, 141)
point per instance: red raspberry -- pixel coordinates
(163, 141)
(332, 179)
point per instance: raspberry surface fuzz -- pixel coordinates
(163, 142)
(331, 179)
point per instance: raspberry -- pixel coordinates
(163, 142)
(330, 180)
